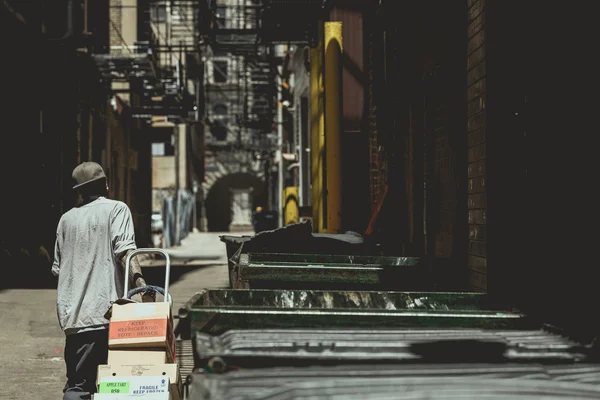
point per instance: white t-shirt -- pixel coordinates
(90, 241)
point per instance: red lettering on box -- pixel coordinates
(133, 328)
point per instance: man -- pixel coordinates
(257, 219)
(92, 243)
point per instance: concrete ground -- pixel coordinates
(32, 365)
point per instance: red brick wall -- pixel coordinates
(443, 91)
(476, 126)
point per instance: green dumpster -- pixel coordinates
(216, 311)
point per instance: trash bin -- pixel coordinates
(332, 272)
(215, 311)
(232, 245)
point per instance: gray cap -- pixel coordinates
(87, 172)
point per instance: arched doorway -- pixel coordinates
(221, 195)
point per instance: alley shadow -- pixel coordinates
(41, 278)
(156, 275)
(26, 269)
(28, 278)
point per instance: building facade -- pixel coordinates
(238, 119)
(62, 112)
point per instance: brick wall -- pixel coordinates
(444, 161)
(441, 185)
(476, 126)
(377, 165)
(115, 23)
(374, 68)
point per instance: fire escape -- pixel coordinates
(176, 38)
(247, 31)
(162, 67)
(239, 90)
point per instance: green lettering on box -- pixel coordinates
(113, 387)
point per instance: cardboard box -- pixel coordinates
(137, 357)
(136, 385)
(142, 325)
(170, 371)
(153, 396)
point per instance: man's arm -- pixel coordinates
(57, 245)
(135, 271)
(56, 261)
(123, 239)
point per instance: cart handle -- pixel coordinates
(149, 251)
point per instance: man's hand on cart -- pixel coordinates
(140, 282)
(149, 296)
(139, 288)
(135, 271)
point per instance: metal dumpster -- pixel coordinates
(216, 311)
(232, 245)
(303, 347)
(435, 381)
(293, 239)
(329, 272)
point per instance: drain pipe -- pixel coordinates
(317, 129)
(70, 23)
(333, 130)
(279, 148)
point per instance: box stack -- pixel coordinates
(142, 354)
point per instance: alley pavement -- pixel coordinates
(32, 344)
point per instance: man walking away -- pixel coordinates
(92, 243)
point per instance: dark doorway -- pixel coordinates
(218, 200)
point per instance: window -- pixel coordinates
(221, 17)
(220, 71)
(162, 149)
(158, 149)
(219, 130)
(220, 109)
(158, 14)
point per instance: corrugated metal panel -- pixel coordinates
(185, 357)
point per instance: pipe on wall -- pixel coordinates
(279, 148)
(317, 129)
(333, 128)
(70, 23)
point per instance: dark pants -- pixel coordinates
(83, 353)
